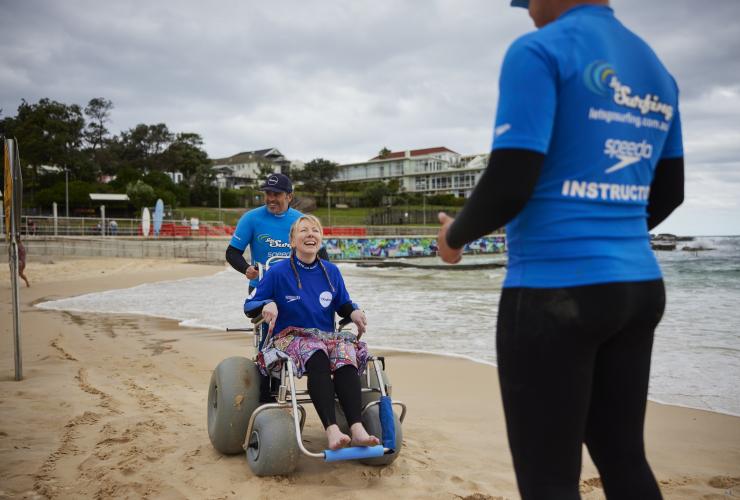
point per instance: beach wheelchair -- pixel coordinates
(271, 433)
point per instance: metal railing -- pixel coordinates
(98, 226)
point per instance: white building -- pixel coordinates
(243, 169)
(176, 176)
(435, 170)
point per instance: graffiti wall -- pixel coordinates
(367, 248)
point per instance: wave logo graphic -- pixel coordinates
(596, 77)
(272, 242)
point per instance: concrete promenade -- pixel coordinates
(211, 249)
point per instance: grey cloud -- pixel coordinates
(342, 79)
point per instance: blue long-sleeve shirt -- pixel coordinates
(311, 306)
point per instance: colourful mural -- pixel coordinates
(368, 248)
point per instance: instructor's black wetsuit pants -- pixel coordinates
(574, 365)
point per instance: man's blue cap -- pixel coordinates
(520, 3)
(277, 183)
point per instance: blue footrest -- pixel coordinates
(354, 453)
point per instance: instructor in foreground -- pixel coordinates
(586, 158)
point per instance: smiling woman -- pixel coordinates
(301, 297)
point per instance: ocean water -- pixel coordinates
(696, 357)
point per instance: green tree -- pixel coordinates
(163, 187)
(141, 194)
(384, 153)
(79, 195)
(125, 176)
(48, 133)
(98, 113)
(186, 155)
(202, 190)
(373, 193)
(317, 176)
(264, 168)
(143, 147)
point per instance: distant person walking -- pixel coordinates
(587, 157)
(22, 261)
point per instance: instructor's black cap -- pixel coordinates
(277, 183)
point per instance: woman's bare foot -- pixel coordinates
(337, 439)
(360, 437)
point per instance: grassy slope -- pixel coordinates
(339, 216)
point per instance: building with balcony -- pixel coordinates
(435, 170)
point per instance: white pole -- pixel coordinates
(424, 206)
(66, 192)
(102, 220)
(11, 152)
(54, 211)
(16, 303)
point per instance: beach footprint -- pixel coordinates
(729, 485)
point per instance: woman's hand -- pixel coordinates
(358, 318)
(269, 315)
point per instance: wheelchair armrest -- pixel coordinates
(344, 322)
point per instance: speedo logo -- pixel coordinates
(628, 152)
(272, 242)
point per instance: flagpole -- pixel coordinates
(12, 186)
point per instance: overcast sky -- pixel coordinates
(343, 79)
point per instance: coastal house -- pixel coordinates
(436, 170)
(243, 169)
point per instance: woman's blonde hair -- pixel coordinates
(311, 219)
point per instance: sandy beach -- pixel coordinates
(114, 406)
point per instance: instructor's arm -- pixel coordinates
(235, 257)
(503, 190)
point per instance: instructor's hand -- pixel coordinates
(269, 314)
(252, 273)
(447, 254)
(360, 320)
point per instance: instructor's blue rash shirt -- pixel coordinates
(266, 234)
(311, 306)
(596, 100)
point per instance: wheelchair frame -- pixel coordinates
(289, 397)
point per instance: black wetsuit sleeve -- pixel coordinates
(666, 190)
(345, 309)
(235, 257)
(501, 193)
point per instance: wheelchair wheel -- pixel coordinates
(272, 449)
(233, 395)
(371, 421)
(368, 397)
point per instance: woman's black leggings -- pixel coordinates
(321, 388)
(574, 365)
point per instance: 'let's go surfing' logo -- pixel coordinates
(596, 77)
(272, 242)
(601, 79)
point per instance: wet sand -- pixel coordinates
(115, 406)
